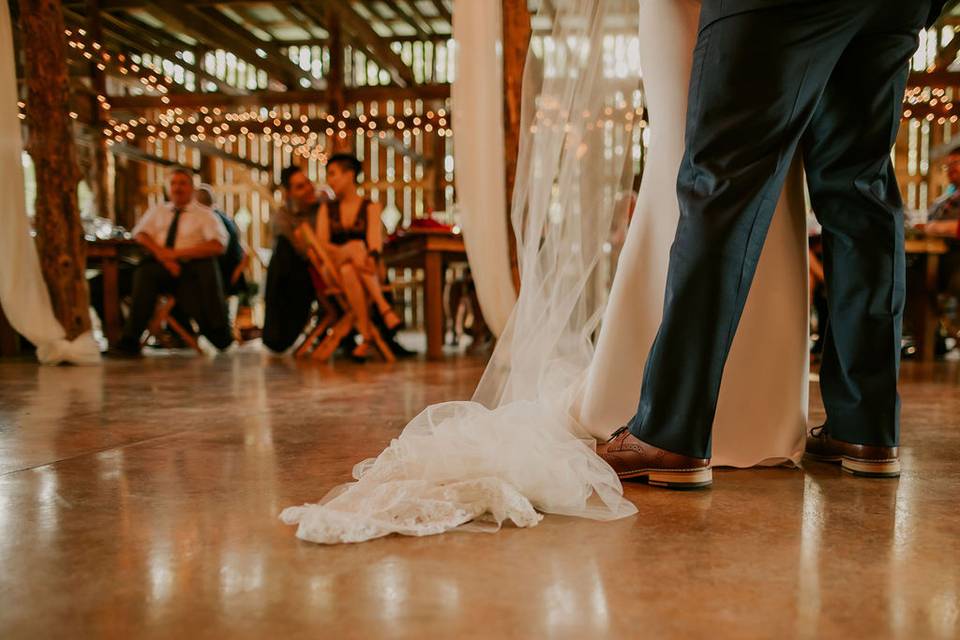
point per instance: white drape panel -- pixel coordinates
(477, 95)
(23, 292)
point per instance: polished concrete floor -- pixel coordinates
(140, 500)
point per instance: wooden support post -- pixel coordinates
(516, 40)
(100, 173)
(51, 145)
(335, 82)
(207, 169)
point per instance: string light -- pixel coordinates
(300, 130)
(301, 133)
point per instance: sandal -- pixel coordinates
(390, 319)
(361, 352)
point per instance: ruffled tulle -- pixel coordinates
(458, 463)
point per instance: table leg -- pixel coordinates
(111, 299)
(433, 303)
(931, 320)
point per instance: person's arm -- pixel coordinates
(374, 229)
(144, 232)
(323, 224)
(943, 228)
(206, 249)
(162, 254)
(215, 241)
(158, 251)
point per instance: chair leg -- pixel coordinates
(329, 344)
(310, 343)
(186, 335)
(382, 346)
(161, 315)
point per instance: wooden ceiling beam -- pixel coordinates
(375, 46)
(179, 16)
(414, 10)
(297, 74)
(144, 39)
(421, 32)
(443, 11)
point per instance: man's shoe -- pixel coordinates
(859, 459)
(630, 457)
(124, 351)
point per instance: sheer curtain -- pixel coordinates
(23, 292)
(515, 451)
(477, 96)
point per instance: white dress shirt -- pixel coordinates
(198, 224)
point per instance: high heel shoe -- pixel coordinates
(390, 319)
(361, 353)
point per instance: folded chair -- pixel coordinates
(161, 317)
(335, 320)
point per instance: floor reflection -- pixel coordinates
(139, 497)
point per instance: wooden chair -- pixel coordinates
(161, 316)
(335, 320)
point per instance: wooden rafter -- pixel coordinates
(408, 19)
(204, 29)
(417, 14)
(370, 41)
(136, 37)
(442, 10)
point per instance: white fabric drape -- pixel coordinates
(477, 96)
(23, 292)
(514, 451)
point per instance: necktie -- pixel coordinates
(172, 231)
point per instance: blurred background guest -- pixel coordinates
(290, 291)
(232, 261)
(183, 240)
(350, 229)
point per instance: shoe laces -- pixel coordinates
(618, 433)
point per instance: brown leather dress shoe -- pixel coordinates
(630, 457)
(858, 459)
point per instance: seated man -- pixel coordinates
(290, 292)
(232, 258)
(183, 240)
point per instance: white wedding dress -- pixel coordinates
(762, 409)
(525, 445)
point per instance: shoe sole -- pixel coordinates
(679, 479)
(862, 468)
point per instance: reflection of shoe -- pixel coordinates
(630, 457)
(124, 350)
(859, 459)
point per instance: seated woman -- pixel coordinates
(349, 227)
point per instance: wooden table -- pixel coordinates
(432, 252)
(922, 308)
(105, 255)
